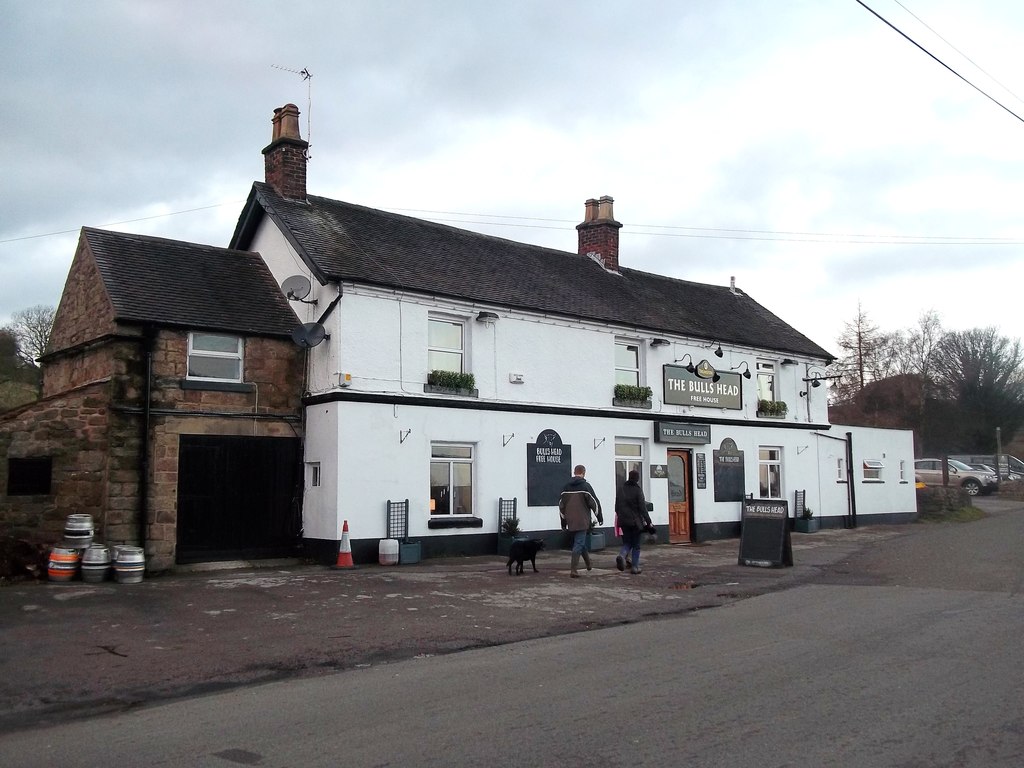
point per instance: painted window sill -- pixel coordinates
(455, 522)
(217, 386)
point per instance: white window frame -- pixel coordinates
(766, 380)
(630, 375)
(211, 354)
(840, 470)
(314, 475)
(460, 350)
(765, 465)
(437, 449)
(629, 454)
(873, 471)
(903, 471)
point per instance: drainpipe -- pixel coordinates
(149, 339)
(851, 518)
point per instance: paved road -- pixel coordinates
(826, 662)
(901, 651)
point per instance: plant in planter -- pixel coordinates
(510, 531)
(772, 408)
(630, 394)
(807, 522)
(452, 381)
(510, 527)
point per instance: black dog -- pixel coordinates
(522, 550)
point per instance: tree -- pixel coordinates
(18, 380)
(31, 327)
(983, 373)
(866, 357)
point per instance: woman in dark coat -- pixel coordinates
(631, 512)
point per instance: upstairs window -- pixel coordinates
(214, 357)
(445, 345)
(627, 363)
(765, 381)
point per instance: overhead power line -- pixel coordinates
(916, 44)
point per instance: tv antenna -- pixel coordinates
(307, 76)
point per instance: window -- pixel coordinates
(873, 470)
(903, 471)
(840, 471)
(769, 472)
(765, 380)
(627, 363)
(451, 479)
(313, 474)
(214, 357)
(627, 456)
(445, 345)
(29, 477)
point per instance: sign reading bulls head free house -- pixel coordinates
(548, 469)
(700, 387)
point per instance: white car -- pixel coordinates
(974, 481)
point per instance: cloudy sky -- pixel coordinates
(801, 146)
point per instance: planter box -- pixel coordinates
(433, 389)
(505, 542)
(804, 525)
(646, 404)
(409, 552)
(595, 541)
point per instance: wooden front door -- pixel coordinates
(678, 496)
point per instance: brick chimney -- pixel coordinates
(599, 233)
(285, 156)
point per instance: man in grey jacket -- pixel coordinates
(575, 506)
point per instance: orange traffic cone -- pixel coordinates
(344, 550)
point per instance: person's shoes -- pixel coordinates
(620, 563)
(636, 570)
(586, 560)
(629, 563)
(573, 575)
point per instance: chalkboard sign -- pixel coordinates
(548, 469)
(729, 473)
(764, 536)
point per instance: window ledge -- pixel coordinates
(876, 482)
(217, 386)
(455, 522)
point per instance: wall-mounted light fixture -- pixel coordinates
(746, 373)
(718, 348)
(788, 361)
(690, 367)
(803, 393)
(660, 342)
(816, 379)
(486, 317)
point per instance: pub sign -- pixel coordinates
(700, 388)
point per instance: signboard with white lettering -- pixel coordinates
(764, 536)
(677, 432)
(548, 469)
(700, 388)
(729, 472)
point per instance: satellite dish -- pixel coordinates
(296, 287)
(309, 334)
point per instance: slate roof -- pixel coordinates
(345, 242)
(173, 283)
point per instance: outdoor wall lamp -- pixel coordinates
(746, 373)
(816, 379)
(486, 317)
(690, 367)
(660, 342)
(718, 351)
(803, 393)
(788, 361)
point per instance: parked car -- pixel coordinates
(974, 481)
(1011, 468)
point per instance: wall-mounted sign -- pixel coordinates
(728, 469)
(659, 471)
(700, 388)
(678, 432)
(702, 471)
(548, 469)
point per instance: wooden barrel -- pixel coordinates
(96, 563)
(130, 564)
(63, 565)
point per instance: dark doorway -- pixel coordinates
(238, 497)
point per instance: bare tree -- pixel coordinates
(866, 356)
(31, 328)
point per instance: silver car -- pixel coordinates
(974, 481)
